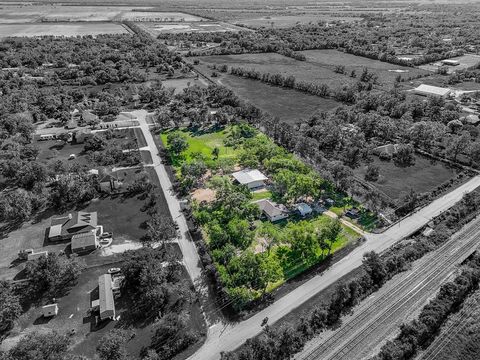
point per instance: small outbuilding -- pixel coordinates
(271, 210)
(50, 310)
(36, 255)
(106, 300)
(253, 179)
(84, 242)
(303, 209)
(353, 213)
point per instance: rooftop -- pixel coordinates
(434, 90)
(78, 222)
(84, 240)
(105, 291)
(248, 176)
(270, 208)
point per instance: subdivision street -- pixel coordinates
(377, 318)
(227, 337)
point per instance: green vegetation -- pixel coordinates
(252, 256)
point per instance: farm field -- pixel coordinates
(288, 105)
(424, 176)
(36, 13)
(156, 28)
(318, 68)
(279, 21)
(64, 29)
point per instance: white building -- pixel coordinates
(428, 90)
(303, 209)
(253, 179)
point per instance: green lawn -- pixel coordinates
(259, 195)
(203, 143)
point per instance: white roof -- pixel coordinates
(434, 90)
(248, 176)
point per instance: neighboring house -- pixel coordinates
(352, 213)
(253, 179)
(303, 209)
(109, 183)
(106, 300)
(63, 228)
(271, 210)
(390, 149)
(428, 90)
(84, 242)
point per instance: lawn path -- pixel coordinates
(345, 222)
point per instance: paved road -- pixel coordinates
(191, 259)
(379, 317)
(227, 337)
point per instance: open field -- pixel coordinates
(37, 13)
(279, 21)
(318, 68)
(180, 84)
(65, 29)
(156, 28)
(288, 105)
(424, 176)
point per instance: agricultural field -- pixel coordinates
(157, 28)
(288, 246)
(288, 105)
(64, 29)
(319, 66)
(424, 176)
(279, 21)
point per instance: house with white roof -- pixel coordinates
(253, 179)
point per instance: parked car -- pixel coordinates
(112, 271)
(71, 157)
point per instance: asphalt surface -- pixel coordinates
(227, 337)
(191, 259)
(379, 317)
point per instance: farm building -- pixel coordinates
(450, 62)
(272, 211)
(303, 209)
(50, 310)
(84, 242)
(428, 90)
(109, 183)
(253, 179)
(63, 228)
(107, 302)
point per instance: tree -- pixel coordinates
(112, 345)
(405, 156)
(160, 229)
(372, 173)
(40, 346)
(375, 268)
(10, 308)
(177, 143)
(215, 152)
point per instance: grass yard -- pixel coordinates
(424, 176)
(203, 143)
(180, 84)
(59, 150)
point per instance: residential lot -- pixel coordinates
(424, 176)
(65, 29)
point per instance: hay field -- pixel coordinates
(63, 29)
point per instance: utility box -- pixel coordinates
(50, 310)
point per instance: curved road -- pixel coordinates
(227, 337)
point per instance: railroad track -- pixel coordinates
(344, 343)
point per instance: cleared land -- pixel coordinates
(424, 176)
(65, 29)
(288, 105)
(318, 68)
